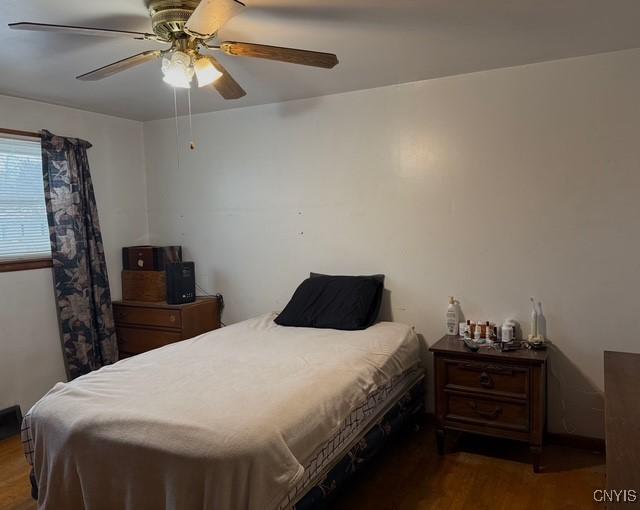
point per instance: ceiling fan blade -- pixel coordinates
(121, 65)
(101, 32)
(210, 15)
(226, 86)
(291, 55)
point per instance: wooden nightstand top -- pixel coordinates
(163, 304)
(450, 344)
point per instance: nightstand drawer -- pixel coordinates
(143, 326)
(137, 340)
(486, 412)
(164, 318)
(486, 377)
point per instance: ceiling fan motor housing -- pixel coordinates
(168, 17)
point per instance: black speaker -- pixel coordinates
(181, 283)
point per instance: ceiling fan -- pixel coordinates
(190, 27)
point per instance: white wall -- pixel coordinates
(30, 351)
(492, 187)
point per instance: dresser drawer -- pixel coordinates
(486, 377)
(498, 414)
(139, 315)
(137, 340)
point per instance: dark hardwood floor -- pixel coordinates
(476, 474)
(15, 492)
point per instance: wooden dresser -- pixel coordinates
(489, 392)
(622, 428)
(142, 326)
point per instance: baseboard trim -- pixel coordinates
(10, 421)
(595, 444)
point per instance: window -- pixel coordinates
(24, 231)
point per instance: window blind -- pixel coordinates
(24, 231)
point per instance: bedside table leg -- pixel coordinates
(536, 457)
(440, 438)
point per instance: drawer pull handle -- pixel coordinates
(491, 415)
(485, 380)
(172, 318)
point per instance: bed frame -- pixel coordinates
(401, 412)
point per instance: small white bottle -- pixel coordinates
(452, 317)
(534, 321)
(507, 333)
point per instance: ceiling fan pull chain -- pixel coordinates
(175, 108)
(192, 145)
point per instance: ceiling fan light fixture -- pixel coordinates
(177, 70)
(206, 72)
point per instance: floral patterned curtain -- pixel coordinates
(79, 268)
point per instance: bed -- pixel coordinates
(253, 415)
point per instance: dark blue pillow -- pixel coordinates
(336, 302)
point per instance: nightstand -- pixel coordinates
(142, 326)
(489, 392)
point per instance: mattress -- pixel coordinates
(231, 419)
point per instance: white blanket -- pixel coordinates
(222, 421)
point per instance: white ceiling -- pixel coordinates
(378, 42)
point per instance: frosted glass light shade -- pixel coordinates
(206, 72)
(177, 70)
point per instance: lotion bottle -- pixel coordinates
(452, 317)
